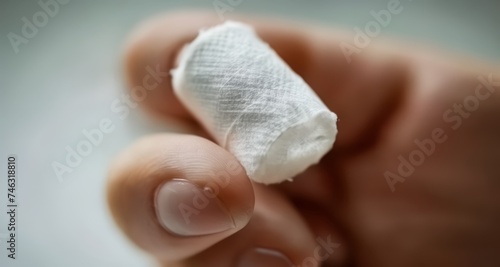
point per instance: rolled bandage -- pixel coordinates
(252, 102)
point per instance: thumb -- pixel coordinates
(177, 195)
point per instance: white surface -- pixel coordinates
(65, 78)
(253, 103)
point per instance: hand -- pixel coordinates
(413, 179)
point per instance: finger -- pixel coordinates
(361, 88)
(277, 235)
(327, 230)
(176, 195)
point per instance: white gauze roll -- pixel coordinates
(252, 102)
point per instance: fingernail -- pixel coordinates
(186, 209)
(261, 257)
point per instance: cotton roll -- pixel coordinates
(252, 103)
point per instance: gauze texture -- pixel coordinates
(252, 102)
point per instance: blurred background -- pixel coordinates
(62, 80)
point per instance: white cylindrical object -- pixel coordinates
(252, 102)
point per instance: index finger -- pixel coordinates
(360, 88)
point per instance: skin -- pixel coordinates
(446, 213)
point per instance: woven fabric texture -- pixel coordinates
(253, 104)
